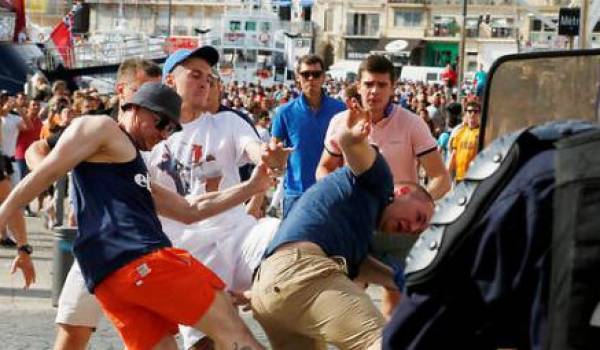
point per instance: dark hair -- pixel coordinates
(310, 59)
(377, 64)
(473, 103)
(132, 65)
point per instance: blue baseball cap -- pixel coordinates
(208, 53)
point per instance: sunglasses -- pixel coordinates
(472, 111)
(316, 74)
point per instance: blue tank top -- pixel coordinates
(116, 217)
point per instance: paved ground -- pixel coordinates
(26, 317)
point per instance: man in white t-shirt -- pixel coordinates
(10, 132)
(8, 136)
(205, 157)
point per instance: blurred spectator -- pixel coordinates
(302, 124)
(465, 142)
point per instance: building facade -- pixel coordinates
(428, 32)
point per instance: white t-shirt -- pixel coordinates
(265, 135)
(10, 132)
(208, 149)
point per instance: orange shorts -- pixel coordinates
(147, 298)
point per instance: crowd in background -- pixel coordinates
(49, 107)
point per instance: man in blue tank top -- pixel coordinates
(303, 294)
(145, 286)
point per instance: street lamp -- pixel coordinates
(461, 59)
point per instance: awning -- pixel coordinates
(402, 46)
(306, 3)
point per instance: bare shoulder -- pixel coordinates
(96, 126)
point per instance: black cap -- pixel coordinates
(159, 99)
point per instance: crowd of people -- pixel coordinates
(198, 134)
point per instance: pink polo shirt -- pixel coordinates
(402, 137)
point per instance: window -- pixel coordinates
(445, 26)
(235, 26)
(363, 24)
(265, 26)
(180, 30)
(407, 18)
(250, 26)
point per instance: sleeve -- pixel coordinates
(242, 134)
(278, 128)
(422, 140)
(378, 179)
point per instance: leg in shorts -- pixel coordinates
(76, 306)
(241, 256)
(147, 298)
(304, 300)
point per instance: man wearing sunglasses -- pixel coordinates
(465, 142)
(302, 124)
(124, 255)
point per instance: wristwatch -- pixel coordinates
(25, 248)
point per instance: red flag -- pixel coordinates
(61, 37)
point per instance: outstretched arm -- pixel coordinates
(176, 207)
(80, 141)
(47, 167)
(359, 155)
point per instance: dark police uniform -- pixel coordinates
(481, 278)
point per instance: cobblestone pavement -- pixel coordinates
(27, 317)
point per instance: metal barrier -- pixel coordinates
(62, 259)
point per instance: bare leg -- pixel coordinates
(72, 337)
(223, 325)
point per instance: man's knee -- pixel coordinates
(71, 337)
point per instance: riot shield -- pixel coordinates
(535, 88)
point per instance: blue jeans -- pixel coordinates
(288, 202)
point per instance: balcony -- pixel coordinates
(305, 28)
(367, 33)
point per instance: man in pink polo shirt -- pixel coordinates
(403, 139)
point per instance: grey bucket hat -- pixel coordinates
(158, 98)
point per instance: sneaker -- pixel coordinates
(8, 242)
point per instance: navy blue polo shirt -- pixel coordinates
(298, 126)
(339, 213)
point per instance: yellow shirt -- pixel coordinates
(464, 144)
